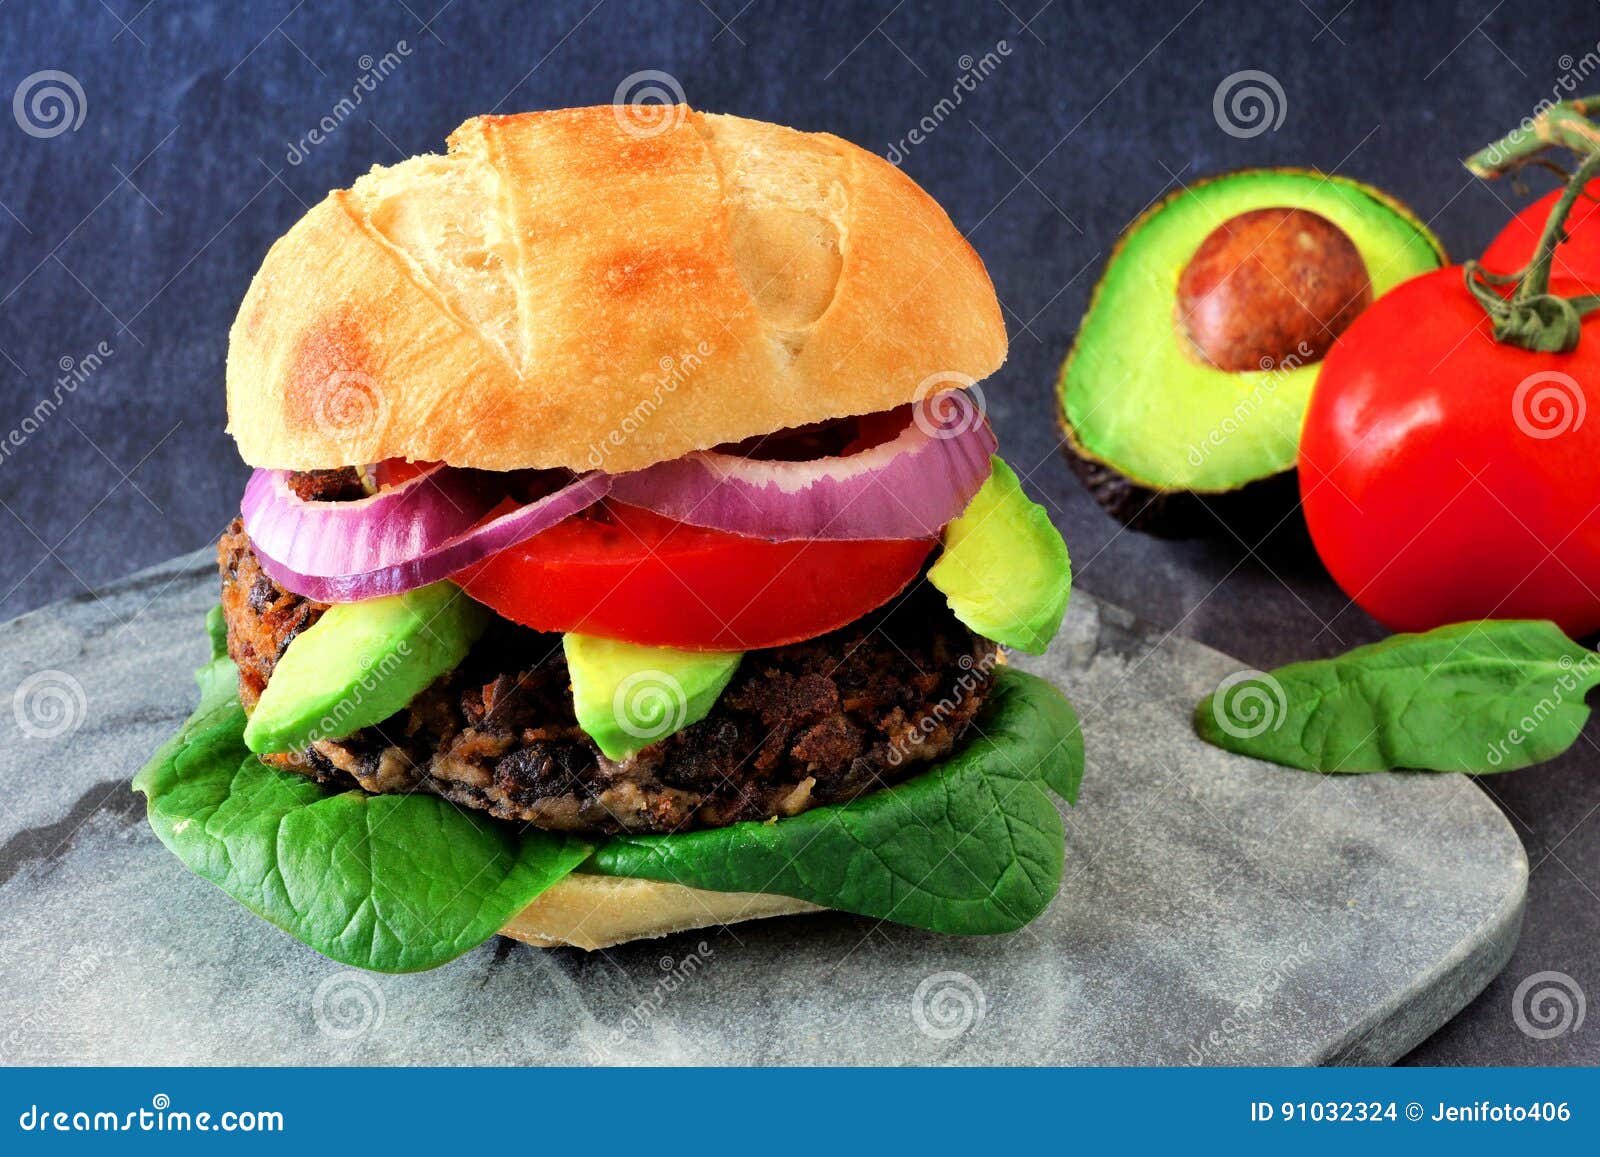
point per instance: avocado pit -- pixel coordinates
(1268, 285)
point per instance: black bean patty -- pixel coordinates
(808, 724)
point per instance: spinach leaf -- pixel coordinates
(973, 845)
(401, 883)
(388, 883)
(1474, 697)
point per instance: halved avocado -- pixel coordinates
(1261, 269)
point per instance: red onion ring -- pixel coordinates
(907, 487)
(440, 559)
(396, 523)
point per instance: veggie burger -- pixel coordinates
(626, 552)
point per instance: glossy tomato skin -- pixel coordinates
(1446, 476)
(393, 471)
(634, 575)
(1578, 256)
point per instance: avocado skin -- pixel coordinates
(1257, 507)
(1254, 509)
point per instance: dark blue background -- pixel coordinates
(142, 228)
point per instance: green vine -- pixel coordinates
(1530, 316)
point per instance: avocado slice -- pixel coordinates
(360, 663)
(1157, 431)
(628, 696)
(1004, 570)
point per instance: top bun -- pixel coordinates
(603, 288)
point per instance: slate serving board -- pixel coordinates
(1215, 909)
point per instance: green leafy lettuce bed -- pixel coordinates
(407, 882)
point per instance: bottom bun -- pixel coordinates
(589, 912)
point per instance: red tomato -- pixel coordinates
(626, 573)
(1446, 476)
(393, 471)
(1577, 256)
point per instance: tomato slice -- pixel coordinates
(393, 471)
(626, 573)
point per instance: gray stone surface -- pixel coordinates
(1214, 907)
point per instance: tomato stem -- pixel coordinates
(1565, 125)
(1531, 317)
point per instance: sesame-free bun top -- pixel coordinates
(603, 288)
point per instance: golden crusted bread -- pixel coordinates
(602, 288)
(590, 912)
